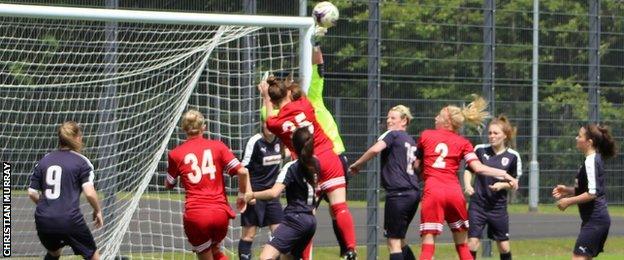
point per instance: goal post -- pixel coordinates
(126, 77)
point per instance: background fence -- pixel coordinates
(429, 53)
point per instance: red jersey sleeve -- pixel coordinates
(172, 170)
(467, 152)
(232, 164)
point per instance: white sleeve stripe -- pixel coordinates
(31, 190)
(470, 157)
(89, 183)
(282, 174)
(382, 136)
(482, 146)
(518, 162)
(249, 148)
(233, 163)
(85, 158)
(590, 170)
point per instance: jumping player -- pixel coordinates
(488, 201)
(295, 113)
(441, 151)
(299, 178)
(398, 153)
(596, 143)
(55, 186)
(262, 157)
(200, 163)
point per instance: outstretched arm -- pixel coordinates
(369, 154)
(267, 194)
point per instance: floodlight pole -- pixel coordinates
(534, 165)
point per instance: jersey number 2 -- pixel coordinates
(207, 166)
(442, 150)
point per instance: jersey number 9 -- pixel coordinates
(53, 179)
(207, 166)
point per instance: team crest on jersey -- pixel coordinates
(276, 148)
(505, 161)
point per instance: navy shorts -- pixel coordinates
(591, 240)
(496, 220)
(79, 239)
(263, 213)
(294, 233)
(399, 210)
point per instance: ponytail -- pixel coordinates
(602, 139)
(303, 141)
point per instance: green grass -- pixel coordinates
(551, 249)
(559, 248)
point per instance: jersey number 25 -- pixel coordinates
(207, 166)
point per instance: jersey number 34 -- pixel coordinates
(207, 166)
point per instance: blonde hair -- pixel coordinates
(67, 133)
(474, 113)
(508, 129)
(404, 112)
(193, 122)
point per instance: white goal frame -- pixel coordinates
(304, 24)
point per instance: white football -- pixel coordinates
(325, 14)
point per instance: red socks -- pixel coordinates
(426, 251)
(463, 251)
(345, 223)
(219, 256)
(307, 252)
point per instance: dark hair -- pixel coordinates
(277, 90)
(303, 141)
(601, 138)
(508, 129)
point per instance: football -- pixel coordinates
(325, 14)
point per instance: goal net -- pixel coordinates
(126, 77)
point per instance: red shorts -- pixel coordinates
(202, 231)
(443, 204)
(332, 171)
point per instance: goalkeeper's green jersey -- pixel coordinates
(323, 116)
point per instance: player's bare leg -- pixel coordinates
(503, 246)
(269, 253)
(428, 246)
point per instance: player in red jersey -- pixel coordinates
(297, 113)
(440, 152)
(200, 164)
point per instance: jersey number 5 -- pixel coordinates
(411, 157)
(300, 121)
(442, 150)
(207, 166)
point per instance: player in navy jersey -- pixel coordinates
(200, 163)
(596, 143)
(262, 157)
(299, 178)
(55, 186)
(488, 201)
(398, 153)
